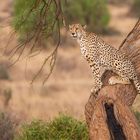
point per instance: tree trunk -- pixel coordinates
(108, 116)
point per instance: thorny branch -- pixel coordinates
(42, 26)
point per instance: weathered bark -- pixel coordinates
(125, 126)
(109, 116)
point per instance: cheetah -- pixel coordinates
(101, 57)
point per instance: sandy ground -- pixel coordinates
(68, 88)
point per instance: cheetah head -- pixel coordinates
(77, 30)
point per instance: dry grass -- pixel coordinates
(68, 88)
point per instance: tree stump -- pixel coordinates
(109, 116)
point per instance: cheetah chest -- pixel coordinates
(83, 51)
(87, 55)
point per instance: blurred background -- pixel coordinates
(68, 88)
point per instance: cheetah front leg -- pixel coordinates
(97, 78)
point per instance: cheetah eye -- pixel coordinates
(76, 29)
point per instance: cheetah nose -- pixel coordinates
(73, 33)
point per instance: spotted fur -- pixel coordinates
(101, 55)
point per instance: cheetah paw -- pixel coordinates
(94, 91)
(118, 80)
(112, 81)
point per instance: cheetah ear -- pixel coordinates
(84, 26)
(70, 26)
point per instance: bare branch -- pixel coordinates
(42, 27)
